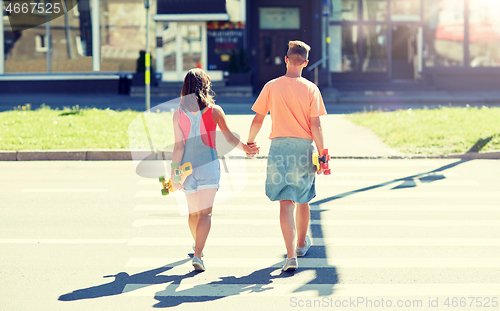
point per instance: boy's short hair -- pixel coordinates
(298, 52)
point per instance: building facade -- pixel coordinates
(451, 44)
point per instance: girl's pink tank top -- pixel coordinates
(207, 127)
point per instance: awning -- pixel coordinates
(191, 10)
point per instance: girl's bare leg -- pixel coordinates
(302, 217)
(288, 226)
(204, 219)
(192, 200)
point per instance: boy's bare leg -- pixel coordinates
(288, 226)
(302, 218)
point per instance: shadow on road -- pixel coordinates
(252, 283)
(122, 279)
(406, 182)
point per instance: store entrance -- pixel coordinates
(273, 45)
(404, 52)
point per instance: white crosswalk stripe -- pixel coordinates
(321, 262)
(155, 213)
(375, 194)
(344, 222)
(366, 291)
(324, 241)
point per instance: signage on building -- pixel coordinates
(222, 39)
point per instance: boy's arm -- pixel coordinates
(255, 127)
(220, 119)
(317, 133)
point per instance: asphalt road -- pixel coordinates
(96, 236)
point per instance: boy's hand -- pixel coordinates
(251, 149)
(320, 171)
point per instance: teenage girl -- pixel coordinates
(195, 123)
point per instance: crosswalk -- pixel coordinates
(395, 231)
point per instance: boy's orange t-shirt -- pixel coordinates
(292, 102)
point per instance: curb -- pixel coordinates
(126, 155)
(82, 155)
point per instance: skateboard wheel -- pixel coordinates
(164, 191)
(174, 165)
(162, 178)
(327, 172)
(177, 179)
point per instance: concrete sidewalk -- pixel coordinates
(341, 137)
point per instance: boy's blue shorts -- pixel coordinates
(290, 172)
(206, 176)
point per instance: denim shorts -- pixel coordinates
(206, 176)
(290, 171)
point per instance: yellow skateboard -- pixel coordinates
(180, 175)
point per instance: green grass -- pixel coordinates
(437, 131)
(83, 129)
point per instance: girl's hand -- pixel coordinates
(251, 149)
(177, 186)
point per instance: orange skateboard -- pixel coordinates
(321, 161)
(180, 175)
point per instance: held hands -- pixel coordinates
(251, 149)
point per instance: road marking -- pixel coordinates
(64, 190)
(312, 291)
(63, 241)
(340, 182)
(331, 207)
(327, 222)
(324, 242)
(379, 263)
(375, 194)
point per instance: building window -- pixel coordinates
(191, 46)
(444, 33)
(344, 10)
(169, 46)
(375, 10)
(344, 54)
(484, 33)
(406, 10)
(374, 49)
(79, 46)
(279, 18)
(123, 34)
(76, 12)
(41, 43)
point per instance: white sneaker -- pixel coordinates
(301, 251)
(198, 264)
(290, 264)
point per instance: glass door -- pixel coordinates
(184, 48)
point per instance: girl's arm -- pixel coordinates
(220, 119)
(178, 145)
